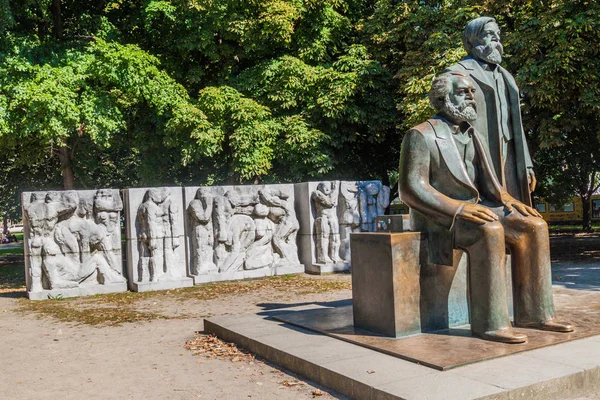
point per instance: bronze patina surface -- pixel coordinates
(385, 281)
(441, 350)
(455, 198)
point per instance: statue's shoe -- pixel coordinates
(550, 325)
(503, 336)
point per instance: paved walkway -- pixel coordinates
(46, 359)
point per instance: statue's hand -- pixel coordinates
(476, 214)
(511, 204)
(531, 179)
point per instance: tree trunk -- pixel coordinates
(64, 155)
(586, 218)
(57, 19)
(233, 178)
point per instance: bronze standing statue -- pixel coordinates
(498, 113)
(455, 197)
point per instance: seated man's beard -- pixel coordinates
(490, 53)
(466, 111)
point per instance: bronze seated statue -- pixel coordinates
(456, 198)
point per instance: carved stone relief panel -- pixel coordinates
(72, 243)
(373, 199)
(317, 205)
(237, 232)
(155, 239)
(329, 212)
(349, 216)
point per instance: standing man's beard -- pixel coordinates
(491, 53)
(466, 111)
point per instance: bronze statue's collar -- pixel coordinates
(487, 66)
(470, 63)
(463, 127)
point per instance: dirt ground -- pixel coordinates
(133, 346)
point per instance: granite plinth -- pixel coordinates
(76, 292)
(248, 274)
(161, 285)
(319, 269)
(564, 370)
(441, 350)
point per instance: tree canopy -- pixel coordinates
(156, 92)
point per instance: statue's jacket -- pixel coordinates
(434, 183)
(488, 122)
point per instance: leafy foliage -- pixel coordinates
(155, 92)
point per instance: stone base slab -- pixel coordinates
(161, 285)
(248, 274)
(561, 371)
(319, 269)
(443, 350)
(76, 292)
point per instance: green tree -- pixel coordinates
(551, 49)
(53, 96)
(292, 62)
(163, 92)
(554, 47)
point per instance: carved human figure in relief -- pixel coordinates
(200, 213)
(350, 216)
(260, 251)
(283, 215)
(74, 250)
(374, 198)
(73, 234)
(107, 206)
(325, 200)
(43, 213)
(234, 229)
(157, 237)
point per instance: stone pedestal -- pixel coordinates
(77, 292)
(396, 292)
(385, 281)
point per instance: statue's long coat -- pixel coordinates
(514, 179)
(434, 183)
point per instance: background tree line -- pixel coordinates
(117, 93)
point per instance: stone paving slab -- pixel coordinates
(361, 373)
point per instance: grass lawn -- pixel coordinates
(118, 308)
(570, 228)
(12, 275)
(11, 251)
